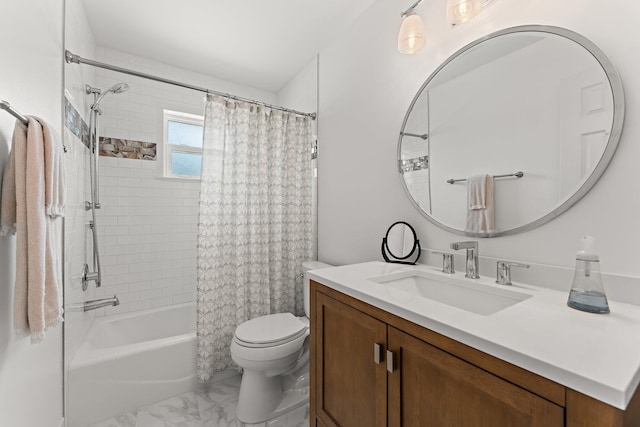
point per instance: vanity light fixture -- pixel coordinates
(411, 36)
(461, 11)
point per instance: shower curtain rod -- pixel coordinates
(72, 58)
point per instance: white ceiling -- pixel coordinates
(260, 43)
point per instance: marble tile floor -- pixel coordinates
(213, 407)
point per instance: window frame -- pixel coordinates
(168, 148)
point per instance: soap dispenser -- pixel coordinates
(587, 291)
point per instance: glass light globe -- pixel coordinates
(411, 36)
(460, 11)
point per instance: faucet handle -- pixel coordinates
(447, 261)
(503, 271)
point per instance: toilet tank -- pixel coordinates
(306, 266)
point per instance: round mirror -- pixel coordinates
(400, 243)
(511, 131)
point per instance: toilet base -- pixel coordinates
(262, 398)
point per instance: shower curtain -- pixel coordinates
(254, 226)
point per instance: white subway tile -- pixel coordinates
(119, 309)
(182, 298)
(143, 304)
(140, 286)
(127, 297)
(162, 301)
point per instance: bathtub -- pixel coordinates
(130, 360)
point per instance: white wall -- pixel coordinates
(30, 79)
(365, 89)
(301, 94)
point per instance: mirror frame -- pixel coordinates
(386, 252)
(605, 159)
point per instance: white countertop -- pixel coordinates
(595, 354)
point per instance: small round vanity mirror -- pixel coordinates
(400, 244)
(511, 131)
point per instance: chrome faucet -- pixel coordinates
(447, 262)
(95, 304)
(472, 257)
(503, 271)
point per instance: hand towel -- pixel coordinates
(8, 201)
(37, 290)
(480, 204)
(54, 172)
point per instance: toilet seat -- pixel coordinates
(270, 331)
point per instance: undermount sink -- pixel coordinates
(457, 292)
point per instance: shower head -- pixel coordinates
(116, 88)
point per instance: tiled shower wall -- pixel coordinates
(148, 236)
(148, 224)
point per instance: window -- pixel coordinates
(182, 145)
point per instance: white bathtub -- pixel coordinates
(130, 360)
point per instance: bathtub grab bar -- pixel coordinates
(95, 304)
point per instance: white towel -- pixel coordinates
(480, 204)
(8, 202)
(28, 184)
(54, 172)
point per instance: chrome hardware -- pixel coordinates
(503, 271)
(518, 174)
(391, 366)
(95, 304)
(447, 262)
(85, 275)
(424, 136)
(4, 105)
(97, 274)
(410, 9)
(88, 206)
(377, 353)
(472, 257)
(71, 58)
(88, 277)
(91, 90)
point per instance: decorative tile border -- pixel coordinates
(411, 165)
(127, 149)
(75, 123)
(109, 147)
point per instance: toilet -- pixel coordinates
(273, 351)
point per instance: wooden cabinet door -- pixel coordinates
(350, 388)
(430, 387)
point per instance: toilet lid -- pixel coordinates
(272, 329)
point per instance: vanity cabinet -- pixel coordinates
(429, 386)
(372, 368)
(353, 390)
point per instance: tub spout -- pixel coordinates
(99, 303)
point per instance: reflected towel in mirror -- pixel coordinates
(480, 204)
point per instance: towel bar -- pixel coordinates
(6, 106)
(519, 174)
